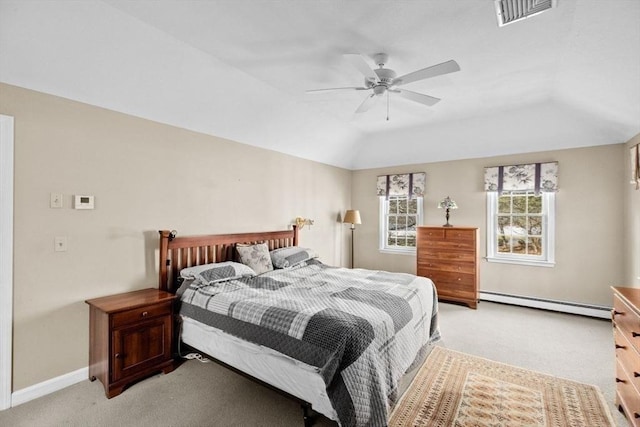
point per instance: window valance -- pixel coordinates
(635, 165)
(529, 177)
(405, 184)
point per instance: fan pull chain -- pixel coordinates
(387, 105)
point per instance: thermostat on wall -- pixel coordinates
(83, 202)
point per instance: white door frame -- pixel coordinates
(6, 258)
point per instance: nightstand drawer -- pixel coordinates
(137, 314)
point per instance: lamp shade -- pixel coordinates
(447, 203)
(352, 217)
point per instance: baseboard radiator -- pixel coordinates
(547, 304)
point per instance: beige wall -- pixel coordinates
(631, 223)
(145, 176)
(589, 229)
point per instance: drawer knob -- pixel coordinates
(144, 314)
(636, 374)
(636, 415)
(618, 380)
(117, 355)
(620, 346)
(459, 278)
(635, 334)
(616, 313)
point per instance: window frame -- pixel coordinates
(548, 234)
(382, 226)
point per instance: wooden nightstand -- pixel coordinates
(130, 337)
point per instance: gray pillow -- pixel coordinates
(255, 256)
(291, 256)
(217, 272)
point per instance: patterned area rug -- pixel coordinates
(457, 389)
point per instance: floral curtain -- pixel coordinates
(635, 166)
(529, 177)
(407, 184)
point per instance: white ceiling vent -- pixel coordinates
(510, 11)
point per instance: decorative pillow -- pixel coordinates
(291, 256)
(255, 256)
(217, 272)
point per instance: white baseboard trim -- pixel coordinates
(545, 304)
(49, 386)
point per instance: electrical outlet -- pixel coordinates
(56, 200)
(60, 243)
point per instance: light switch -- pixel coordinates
(56, 200)
(60, 243)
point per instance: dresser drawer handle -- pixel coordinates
(620, 346)
(636, 415)
(144, 314)
(635, 334)
(616, 313)
(117, 355)
(459, 278)
(636, 374)
(618, 380)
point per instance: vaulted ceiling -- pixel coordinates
(569, 77)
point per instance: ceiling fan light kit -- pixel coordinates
(384, 80)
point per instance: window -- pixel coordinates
(521, 228)
(399, 217)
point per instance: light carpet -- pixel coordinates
(457, 389)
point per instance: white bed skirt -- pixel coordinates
(283, 372)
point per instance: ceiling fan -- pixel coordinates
(383, 80)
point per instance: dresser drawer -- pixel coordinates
(429, 234)
(628, 357)
(462, 235)
(447, 245)
(460, 281)
(448, 291)
(455, 267)
(627, 395)
(627, 322)
(447, 255)
(137, 314)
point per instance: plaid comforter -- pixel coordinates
(361, 329)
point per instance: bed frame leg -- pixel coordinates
(308, 415)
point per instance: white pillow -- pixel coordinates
(217, 272)
(291, 256)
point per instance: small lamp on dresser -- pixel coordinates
(447, 204)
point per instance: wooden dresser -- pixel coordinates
(449, 257)
(626, 331)
(130, 337)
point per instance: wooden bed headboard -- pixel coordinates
(178, 252)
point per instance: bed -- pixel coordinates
(339, 341)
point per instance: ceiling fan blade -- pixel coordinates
(361, 65)
(425, 73)
(367, 103)
(331, 89)
(417, 97)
